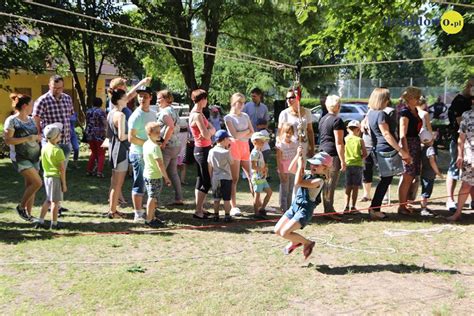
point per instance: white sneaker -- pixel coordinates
(235, 211)
(271, 209)
(139, 217)
(451, 206)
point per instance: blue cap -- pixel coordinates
(221, 134)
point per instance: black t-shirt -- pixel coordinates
(327, 125)
(374, 118)
(459, 105)
(414, 122)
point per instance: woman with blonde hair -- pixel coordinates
(240, 129)
(410, 126)
(170, 146)
(21, 134)
(388, 153)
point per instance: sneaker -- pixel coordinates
(43, 225)
(451, 206)
(290, 247)
(235, 211)
(139, 217)
(155, 223)
(22, 213)
(56, 226)
(227, 218)
(32, 219)
(426, 212)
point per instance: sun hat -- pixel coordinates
(259, 135)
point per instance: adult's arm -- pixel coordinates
(10, 140)
(133, 92)
(169, 129)
(384, 129)
(310, 135)
(206, 133)
(364, 150)
(403, 131)
(461, 140)
(339, 139)
(119, 121)
(233, 132)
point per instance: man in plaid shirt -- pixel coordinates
(55, 107)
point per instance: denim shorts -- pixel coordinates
(453, 171)
(426, 187)
(300, 214)
(138, 164)
(25, 164)
(260, 185)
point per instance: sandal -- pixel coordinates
(291, 247)
(307, 250)
(373, 215)
(354, 210)
(365, 199)
(204, 216)
(405, 211)
(114, 215)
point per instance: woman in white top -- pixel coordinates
(301, 120)
(240, 129)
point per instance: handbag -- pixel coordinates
(390, 163)
(84, 137)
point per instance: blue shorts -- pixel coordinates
(260, 185)
(426, 187)
(25, 164)
(138, 186)
(300, 214)
(453, 171)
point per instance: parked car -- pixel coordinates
(349, 111)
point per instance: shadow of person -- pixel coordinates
(395, 268)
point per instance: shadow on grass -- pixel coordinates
(394, 268)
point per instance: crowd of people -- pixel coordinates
(155, 147)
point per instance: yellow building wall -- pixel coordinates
(36, 85)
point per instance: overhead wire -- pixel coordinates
(455, 4)
(135, 39)
(272, 62)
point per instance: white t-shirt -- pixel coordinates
(240, 122)
(220, 160)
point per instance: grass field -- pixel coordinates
(185, 269)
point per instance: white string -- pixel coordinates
(423, 231)
(138, 40)
(387, 61)
(453, 4)
(276, 63)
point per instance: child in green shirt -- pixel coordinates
(54, 174)
(153, 173)
(354, 153)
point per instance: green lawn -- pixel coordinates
(239, 269)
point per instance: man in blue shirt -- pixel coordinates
(255, 108)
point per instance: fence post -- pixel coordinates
(411, 81)
(445, 88)
(360, 78)
(380, 82)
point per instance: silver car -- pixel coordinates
(348, 112)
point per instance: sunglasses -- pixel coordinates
(291, 98)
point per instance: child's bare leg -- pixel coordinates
(54, 211)
(348, 195)
(268, 195)
(256, 202)
(227, 207)
(216, 208)
(44, 209)
(287, 232)
(150, 209)
(462, 197)
(355, 192)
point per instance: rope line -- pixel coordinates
(134, 39)
(273, 62)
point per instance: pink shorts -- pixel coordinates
(239, 150)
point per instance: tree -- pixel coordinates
(177, 19)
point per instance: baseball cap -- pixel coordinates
(144, 89)
(259, 135)
(354, 123)
(52, 130)
(321, 158)
(221, 134)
